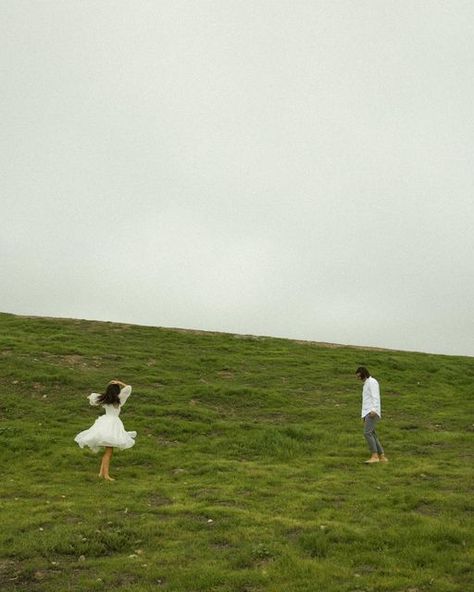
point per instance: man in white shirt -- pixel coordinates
(371, 414)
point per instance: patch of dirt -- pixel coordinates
(226, 374)
(427, 510)
(8, 571)
(159, 500)
(13, 573)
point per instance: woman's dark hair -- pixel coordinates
(111, 395)
(362, 372)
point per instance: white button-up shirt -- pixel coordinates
(371, 397)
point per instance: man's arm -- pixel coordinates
(375, 397)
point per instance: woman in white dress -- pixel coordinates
(108, 430)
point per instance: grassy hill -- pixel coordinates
(247, 474)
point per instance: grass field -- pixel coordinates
(247, 474)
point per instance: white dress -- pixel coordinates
(108, 429)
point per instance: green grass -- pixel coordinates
(247, 475)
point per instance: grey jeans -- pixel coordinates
(370, 435)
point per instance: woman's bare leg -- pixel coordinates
(101, 472)
(106, 463)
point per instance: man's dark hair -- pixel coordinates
(363, 372)
(111, 395)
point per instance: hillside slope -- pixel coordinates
(247, 474)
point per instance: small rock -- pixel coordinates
(82, 558)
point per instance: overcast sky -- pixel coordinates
(298, 168)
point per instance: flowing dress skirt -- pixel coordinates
(108, 430)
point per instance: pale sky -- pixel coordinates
(298, 169)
